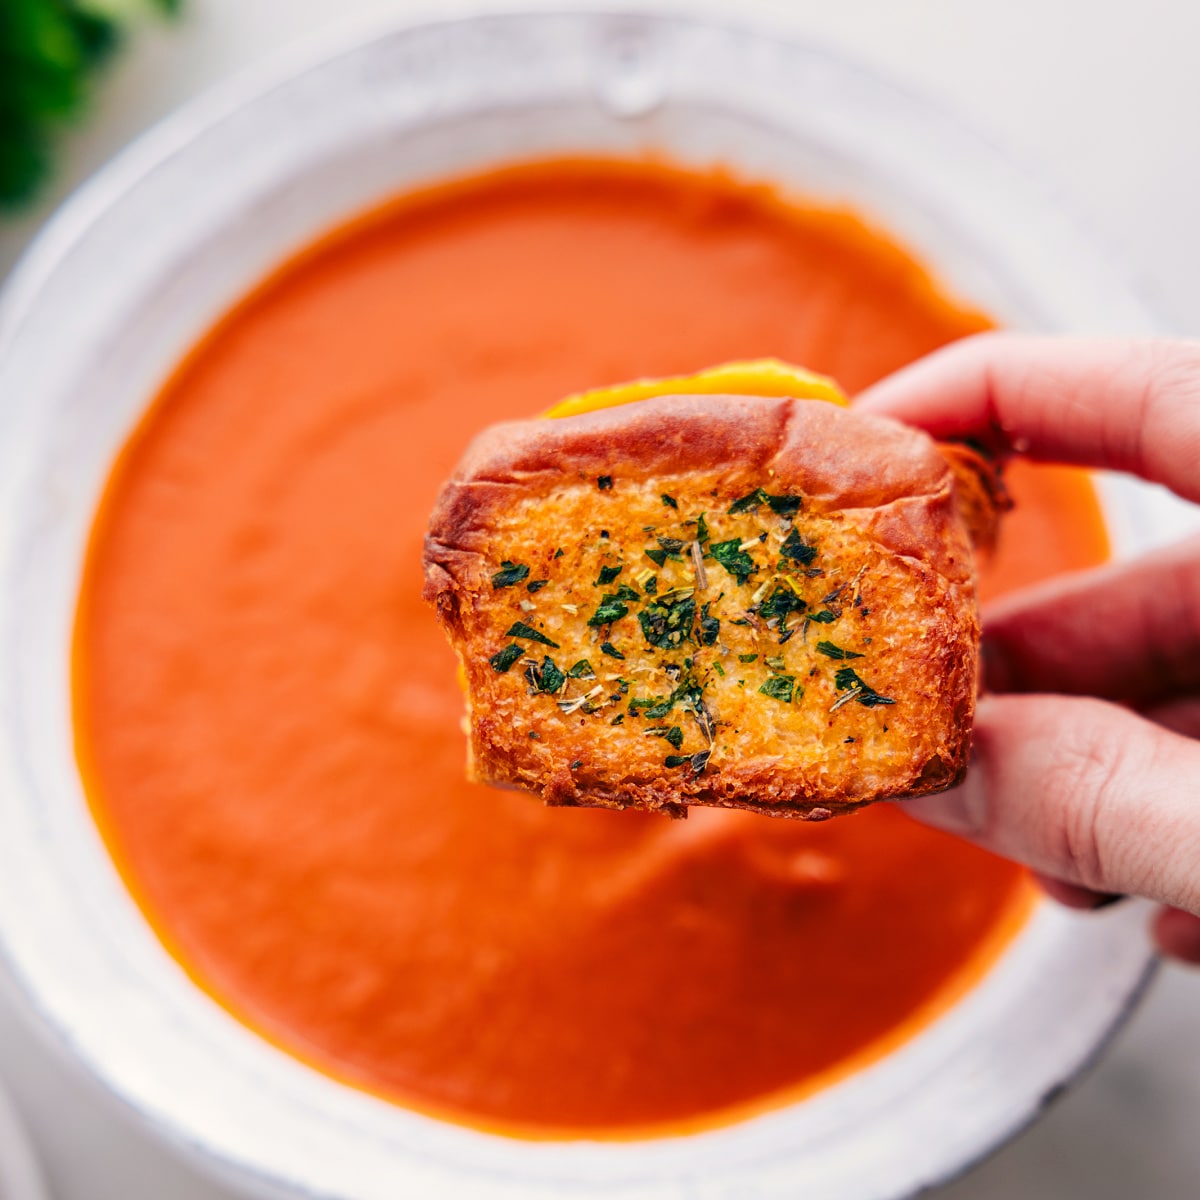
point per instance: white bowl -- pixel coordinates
(20, 1176)
(156, 247)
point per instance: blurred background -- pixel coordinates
(1096, 99)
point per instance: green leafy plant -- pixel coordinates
(50, 52)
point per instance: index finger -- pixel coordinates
(1129, 405)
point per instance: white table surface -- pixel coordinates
(1102, 98)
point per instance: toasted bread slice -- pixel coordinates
(747, 602)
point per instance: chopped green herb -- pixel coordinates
(795, 548)
(747, 658)
(577, 764)
(832, 651)
(546, 678)
(710, 627)
(747, 503)
(720, 670)
(674, 735)
(669, 501)
(696, 761)
(651, 585)
(611, 609)
(536, 585)
(608, 574)
(702, 530)
(604, 483)
(509, 574)
(824, 617)
(867, 696)
(582, 670)
(670, 545)
(611, 650)
(779, 687)
(656, 556)
(618, 719)
(506, 657)
(558, 553)
(537, 737)
(668, 622)
(520, 630)
(784, 506)
(691, 698)
(625, 592)
(656, 707)
(736, 561)
(781, 603)
(776, 663)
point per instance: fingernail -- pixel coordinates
(961, 810)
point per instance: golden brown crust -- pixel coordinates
(979, 493)
(890, 585)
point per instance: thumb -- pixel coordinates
(1081, 790)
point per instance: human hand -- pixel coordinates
(1086, 759)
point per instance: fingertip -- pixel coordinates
(1086, 791)
(960, 811)
(1071, 895)
(1177, 935)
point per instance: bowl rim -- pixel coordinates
(174, 132)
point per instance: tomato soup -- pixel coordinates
(268, 720)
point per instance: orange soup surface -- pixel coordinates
(268, 720)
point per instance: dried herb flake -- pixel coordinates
(520, 630)
(795, 548)
(847, 678)
(779, 687)
(736, 561)
(510, 573)
(505, 658)
(836, 652)
(611, 609)
(546, 678)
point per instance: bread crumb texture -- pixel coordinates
(731, 601)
